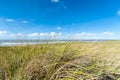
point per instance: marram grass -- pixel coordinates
(61, 61)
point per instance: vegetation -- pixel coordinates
(61, 61)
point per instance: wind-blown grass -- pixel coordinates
(61, 61)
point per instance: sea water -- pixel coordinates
(30, 42)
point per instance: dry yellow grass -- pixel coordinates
(61, 61)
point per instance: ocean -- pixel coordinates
(30, 42)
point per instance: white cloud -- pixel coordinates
(108, 33)
(95, 34)
(92, 34)
(85, 35)
(56, 1)
(58, 28)
(34, 35)
(43, 34)
(60, 3)
(25, 21)
(60, 33)
(54, 34)
(3, 32)
(51, 34)
(16, 35)
(9, 20)
(37, 34)
(118, 12)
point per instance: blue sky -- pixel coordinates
(79, 19)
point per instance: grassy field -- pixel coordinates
(61, 61)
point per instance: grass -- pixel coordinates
(61, 61)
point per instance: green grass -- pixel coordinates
(61, 61)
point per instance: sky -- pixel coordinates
(63, 19)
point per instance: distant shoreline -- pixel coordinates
(30, 42)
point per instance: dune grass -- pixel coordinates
(61, 61)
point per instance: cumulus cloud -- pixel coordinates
(3, 32)
(60, 33)
(108, 33)
(34, 35)
(16, 35)
(58, 28)
(118, 12)
(37, 34)
(60, 3)
(54, 34)
(9, 20)
(55, 1)
(43, 34)
(51, 34)
(95, 34)
(85, 35)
